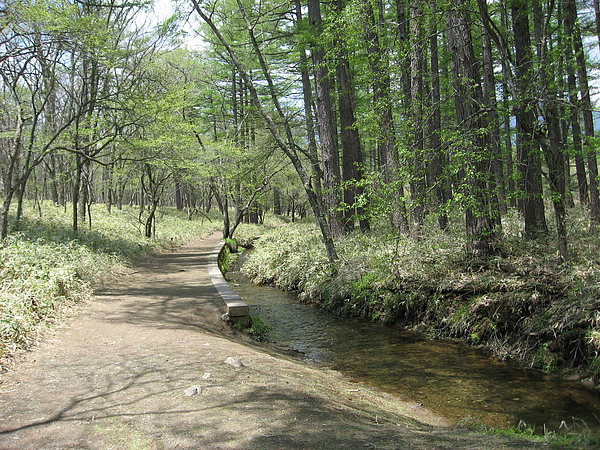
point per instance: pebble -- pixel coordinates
(233, 361)
(193, 390)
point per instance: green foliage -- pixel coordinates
(39, 278)
(368, 279)
(594, 365)
(571, 436)
(45, 269)
(288, 257)
(119, 233)
(256, 328)
(247, 233)
(227, 256)
(574, 435)
(545, 359)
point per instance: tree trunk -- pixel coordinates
(276, 201)
(4, 215)
(352, 158)
(418, 181)
(307, 97)
(327, 126)
(107, 187)
(586, 108)
(582, 186)
(287, 143)
(527, 149)
(76, 193)
(551, 141)
(506, 122)
(382, 105)
(178, 194)
(471, 120)
(489, 94)
(597, 19)
(555, 160)
(441, 189)
(84, 191)
(223, 205)
(149, 225)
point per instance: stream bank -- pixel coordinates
(511, 317)
(520, 307)
(459, 383)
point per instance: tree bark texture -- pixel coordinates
(327, 126)
(529, 158)
(471, 118)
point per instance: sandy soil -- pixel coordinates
(117, 374)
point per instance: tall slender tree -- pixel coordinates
(327, 123)
(285, 142)
(551, 140)
(436, 165)
(529, 158)
(574, 33)
(387, 151)
(418, 179)
(351, 155)
(468, 100)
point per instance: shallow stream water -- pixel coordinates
(450, 379)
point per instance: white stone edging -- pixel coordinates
(237, 309)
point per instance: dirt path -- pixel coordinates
(115, 376)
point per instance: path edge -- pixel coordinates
(238, 311)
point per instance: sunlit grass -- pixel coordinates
(573, 435)
(45, 268)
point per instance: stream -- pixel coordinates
(448, 378)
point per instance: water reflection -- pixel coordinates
(448, 378)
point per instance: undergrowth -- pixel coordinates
(256, 328)
(575, 435)
(522, 304)
(46, 269)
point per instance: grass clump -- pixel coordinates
(577, 435)
(247, 233)
(119, 232)
(45, 269)
(287, 257)
(227, 255)
(256, 328)
(38, 281)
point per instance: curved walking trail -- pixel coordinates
(118, 373)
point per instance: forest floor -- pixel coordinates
(143, 366)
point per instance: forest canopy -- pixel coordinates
(363, 114)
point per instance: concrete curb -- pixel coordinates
(237, 309)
